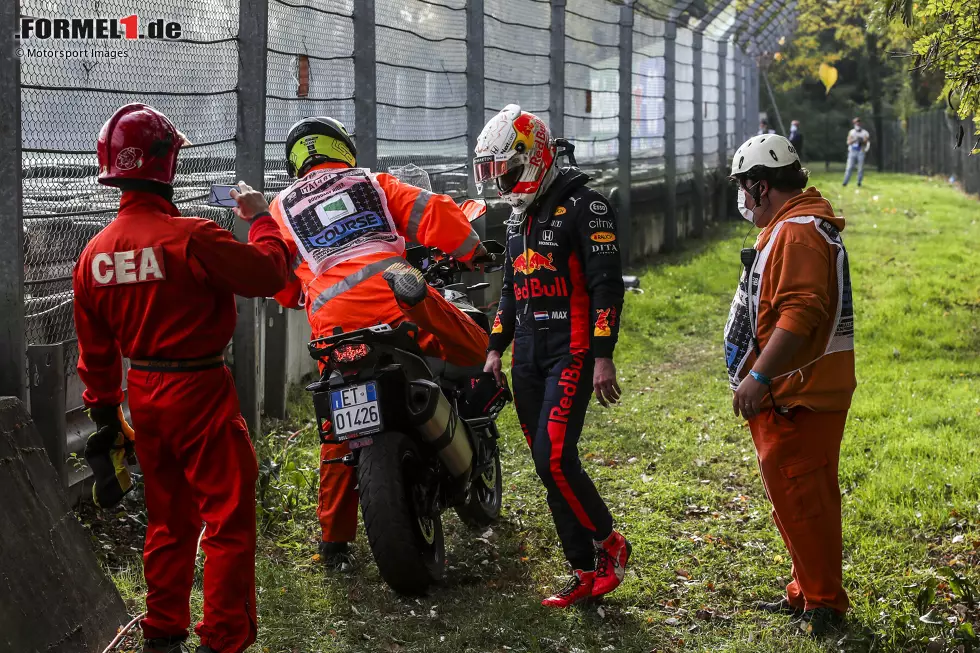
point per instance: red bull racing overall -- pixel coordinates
(561, 304)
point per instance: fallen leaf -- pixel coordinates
(931, 618)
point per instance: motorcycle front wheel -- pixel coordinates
(406, 538)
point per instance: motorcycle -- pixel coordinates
(421, 431)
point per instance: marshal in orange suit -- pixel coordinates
(346, 229)
(789, 346)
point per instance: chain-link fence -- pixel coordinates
(415, 80)
(931, 143)
(64, 103)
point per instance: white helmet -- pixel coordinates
(516, 150)
(766, 150)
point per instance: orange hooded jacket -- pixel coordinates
(798, 293)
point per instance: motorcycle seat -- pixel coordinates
(455, 373)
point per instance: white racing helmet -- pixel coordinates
(515, 150)
(766, 150)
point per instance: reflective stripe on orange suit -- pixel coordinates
(353, 295)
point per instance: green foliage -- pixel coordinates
(872, 83)
(946, 38)
(827, 32)
(288, 477)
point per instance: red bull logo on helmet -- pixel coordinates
(530, 262)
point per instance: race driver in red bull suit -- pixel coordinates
(561, 304)
(160, 290)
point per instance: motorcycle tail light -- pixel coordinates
(349, 353)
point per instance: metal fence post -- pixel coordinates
(275, 390)
(670, 144)
(723, 136)
(697, 219)
(47, 380)
(12, 338)
(366, 83)
(475, 85)
(739, 98)
(625, 128)
(253, 24)
(556, 104)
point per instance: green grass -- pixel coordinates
(679, 473)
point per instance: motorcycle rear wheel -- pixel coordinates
(406, 540)
(482, 507)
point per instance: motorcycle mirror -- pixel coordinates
(493, 247)
(478, 286)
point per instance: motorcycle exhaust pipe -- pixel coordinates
(437, 422)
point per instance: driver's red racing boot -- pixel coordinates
(611, 557)
(577, 589)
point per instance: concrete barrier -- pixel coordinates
(54, 595)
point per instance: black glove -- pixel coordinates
(107, 452)
(482, 397)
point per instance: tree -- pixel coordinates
(945, 37)
(838, 32)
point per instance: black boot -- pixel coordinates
(782, 606)
(406, 283)
(173, 644)
(823, 622)
(336, 555)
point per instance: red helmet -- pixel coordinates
(138, 142)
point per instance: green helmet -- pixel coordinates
(313, 141)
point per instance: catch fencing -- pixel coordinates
(933, 143)
(655, 96)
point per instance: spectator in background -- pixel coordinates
(764, 128)
(796, 138)
(858, 144)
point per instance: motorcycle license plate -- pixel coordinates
(355, 410)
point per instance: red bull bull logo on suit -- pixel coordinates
(529, 262)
